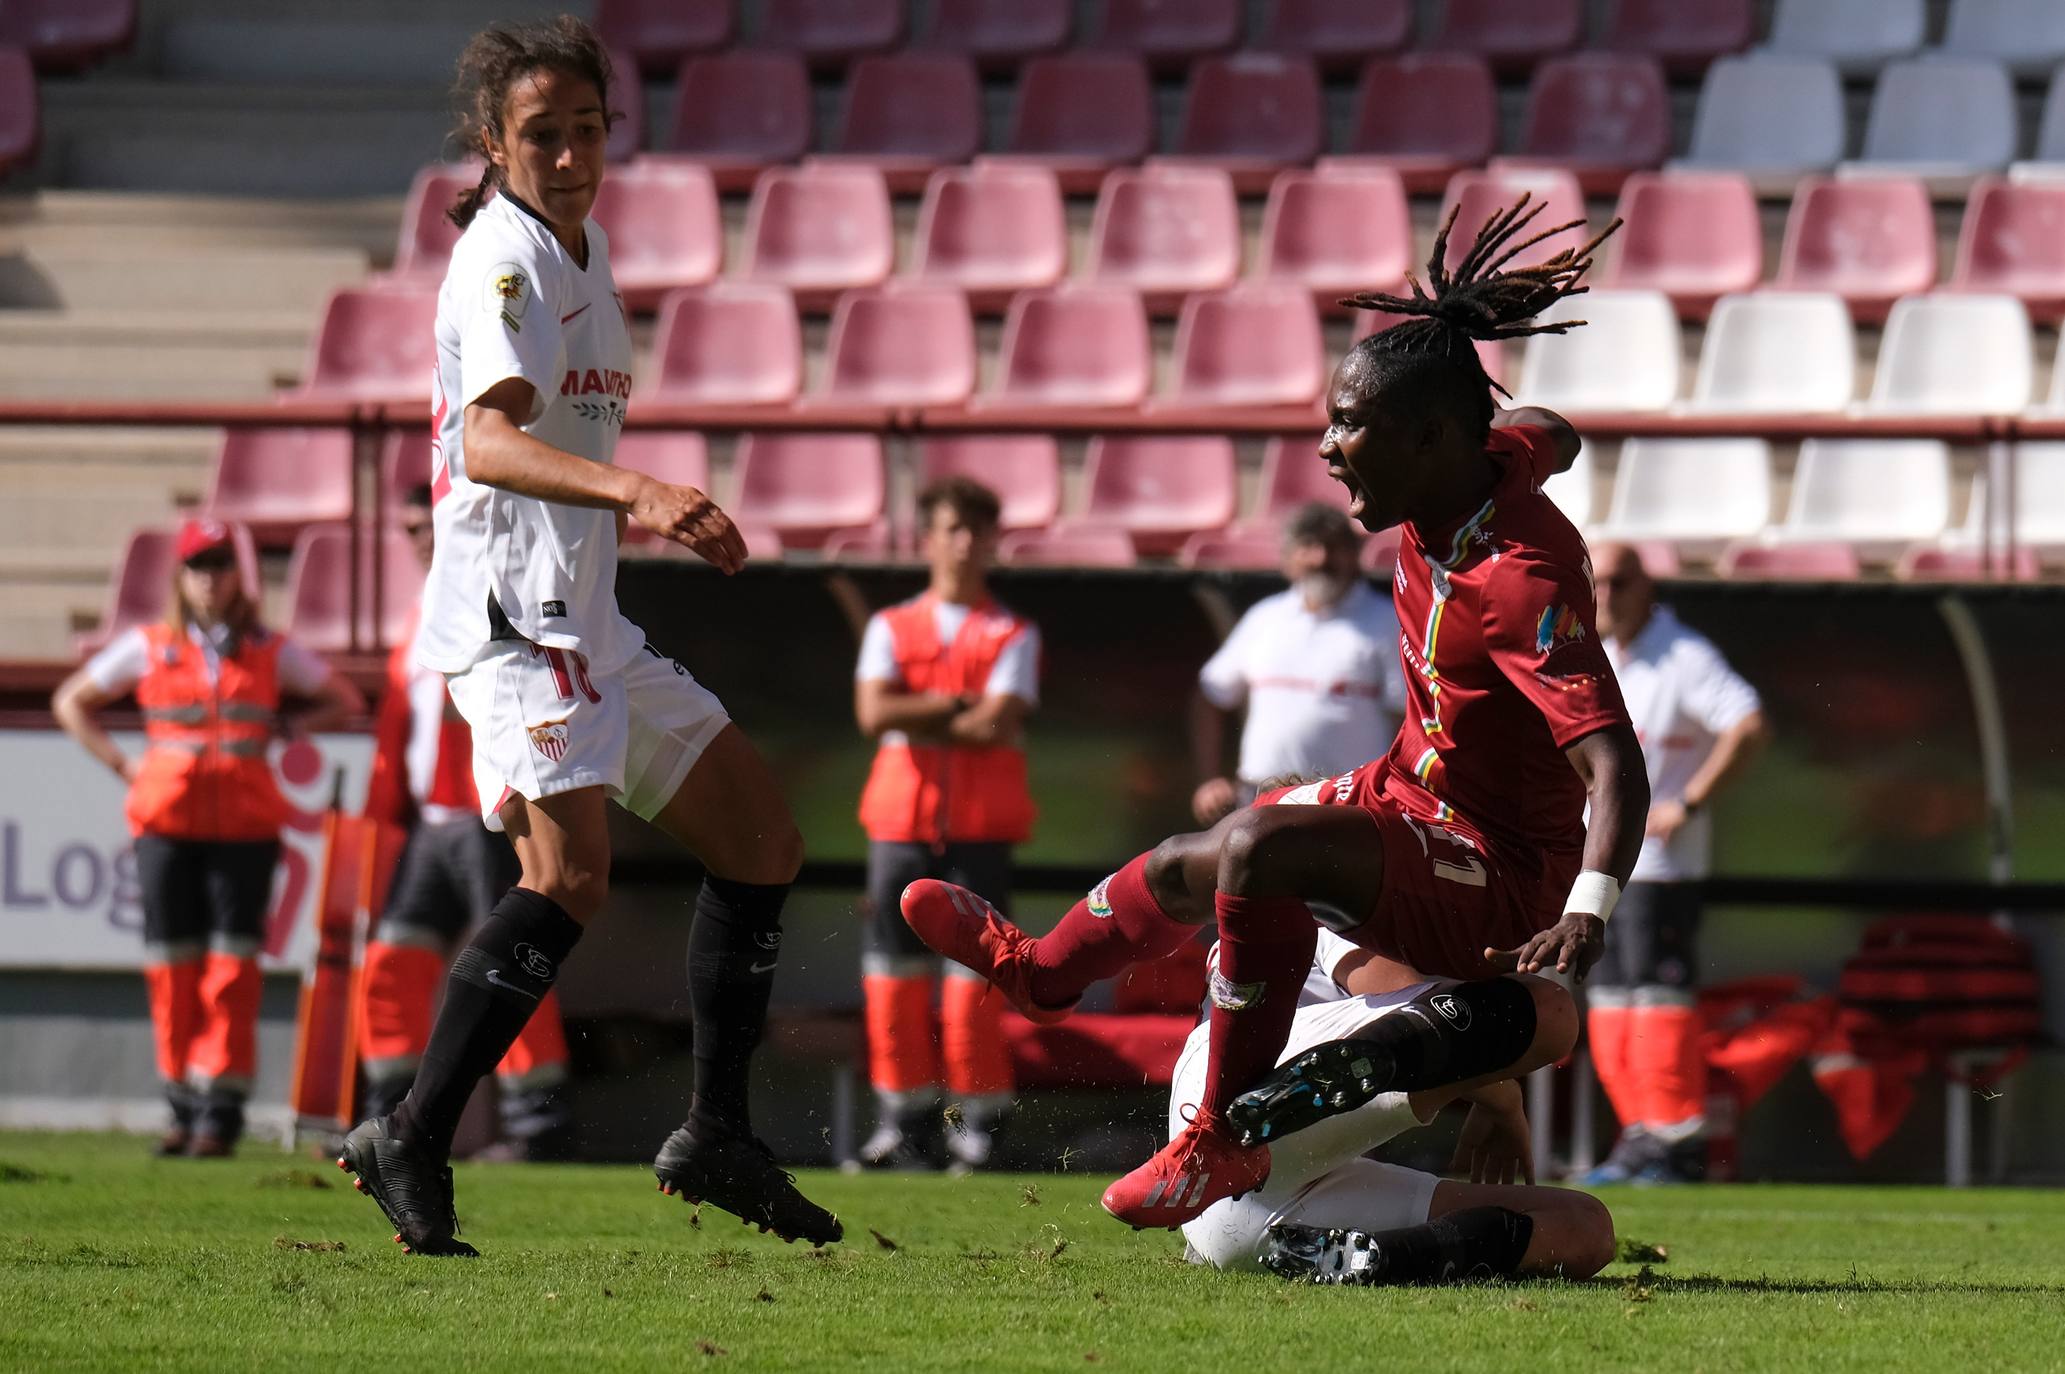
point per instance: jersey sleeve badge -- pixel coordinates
(1558, 626)
(508, 294)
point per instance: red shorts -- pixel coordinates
(1448, 891)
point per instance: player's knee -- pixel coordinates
(1556, 1018)
(784, 853)
(1588, 1243)
(580, 889)
(1168, 874)
(1245, 851)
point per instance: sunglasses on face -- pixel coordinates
(213, 561)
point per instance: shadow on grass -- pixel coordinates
(1664, 1285)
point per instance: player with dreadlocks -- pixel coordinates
(1463, 853)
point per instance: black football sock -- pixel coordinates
(1475, 1243)
(494, 986)
(732, 951)
(1455, 1033)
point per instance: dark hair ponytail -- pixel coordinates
(496, 58)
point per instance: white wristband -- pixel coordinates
(1594, 893)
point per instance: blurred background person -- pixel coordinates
(1700, 725)
(213, 685)
(1315, 667)
(453, 870)
(944, 684)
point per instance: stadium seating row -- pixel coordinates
(21, 119)
(66, 35)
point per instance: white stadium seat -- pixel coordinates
(1624, 358)
(1688, 491)
(1777, 352)
(1946, 354)
(1859, 36)
(1878, 494)
(1770, 116)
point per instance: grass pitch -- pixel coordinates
(111, 1260)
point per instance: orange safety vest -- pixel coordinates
(935, 793)
(205, 775)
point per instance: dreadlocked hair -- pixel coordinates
(496, 59)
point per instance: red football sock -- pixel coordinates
(1265, 951)
(1118, 925)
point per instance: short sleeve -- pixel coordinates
(302, 671)
(118, 667)
(508, 323)
(1714, 694)
(1538, 629)
(1224, 678)
(877, 653)
(1016, 672)
(1531, 445)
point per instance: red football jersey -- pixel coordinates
(1503, 666)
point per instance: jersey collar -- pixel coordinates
(519, 203)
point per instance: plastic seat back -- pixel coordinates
(1093, 108)
(831, 30)
(1691, 489)
(1868, 241)
(658, 34)
(1477, 196)
(1859, 36)
(375, 344)
(1429, 113)
(2027, 35)
(1257, 344)
(1253, 108)
(1000, 30)
(742, 109)
(1294, 475)
(1165, 33)
(678, 457)
(1024, 470)
(730, 343)
(1624, 358)
(1769, 113)
(913, 106)
(819, 229)
(1075, 345)
(1695, 236)
(1336, 231)
(21, 125)
(1943, 112)
(1509, 34)
(1955, 355)
(1076, 546)
(273, 481)
(427, 235)
(1598, 110)
(1864, 490)
(1684, 34)
(319, 592)
(664, 228)
(1338, 34)
(1160, 489)
(1777, 352)
(2013, 242)
(807, 486)
(992, 229)
(1166, 231)
(902, 344)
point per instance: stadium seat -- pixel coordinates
(2013, 242)
(1256, 344)
(66, 35)
(907, 113)
(658, 34)
(1241, 546)
(901, 344)
(375, 344)
(1338, 34)
(1602, 115)
(1024, 470)
(1514, 37)
(1251, 115)
(1571, 490)
(1380, 556)
(1170, 35)
(2027, 35)
(1425, 115)
(143, 581)
(1159, 488)
(1483, 194)
(1819, 562)
(1625, 357)
(1869, 242)
(21, 131)
(1955, 355)
(2048, 161)
(1293, 475)
(274, 481)
(319, 589)
(427, 236)
(678, 457)
(1695, 236)
(805, 487)
(1689, 492)
(730, 343)
(404, 463)
(1772, 117)
(1685, 35)
(1876, 495)
(627, 135)
(830, 31)
(740, 112)
(1777, 352)
(1937, 563)
(1077, 546)
(664, 228)
(1082, 113)
(1166, 231)
(1944, 119)
(2039, 498)
(1337, 231)
(1074, 345)
(991, 229)
(819, 229)
(1859, 36)
(999, 31)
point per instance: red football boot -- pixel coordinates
(1187, 1175)
(960, 925)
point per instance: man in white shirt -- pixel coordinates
(1700, 725)
(1316, 668)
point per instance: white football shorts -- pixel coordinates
(542, 725)
(1317, 1176)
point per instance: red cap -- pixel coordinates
(197, 537)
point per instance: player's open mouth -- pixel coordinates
(1347, 479)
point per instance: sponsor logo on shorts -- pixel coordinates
(533, 961)
(1100, 900)
(1452, 1008)
(552, 610)
(1228, 995)
(550, 739)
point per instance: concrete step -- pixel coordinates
(180, 281)
(149, 225)
(115, 355)
(382, 42)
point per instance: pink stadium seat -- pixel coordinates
(1337, 34)
(404, 463)
(1024, 470)
(1868, 241)
(627, 96)
(831, 31)
(730, 343)
(1426, 114)
(1081, 114)
(907, 113)
(1695, 236)
(805, 487)
(742, 111)
(1074, 345)
(991, 229)
(273, 481)
(427, 235)
(319, 589)
(1166, 231)
(142, 583)
(1483, 194)
(1684, 34)
(1170, 35)
(64, 35)
(1160, 489)
(1380, 555)
(2013, 242)
(903, 344)
(1257, 344)
(1514, 36)
(1933, 563)
(375, 344)
(1771, 562)
(663, 225)
(1241, 546)
(1000, 30)
(1602, 115)
(21, 131)
(1337, 231)
(678, 457)
(1489, 351)
(1294, 475)
(1251, 115)
(1075, 546)
(819, 229)
(658, 34)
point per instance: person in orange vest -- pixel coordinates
(213, 685)
(945, 682)
(453, 870)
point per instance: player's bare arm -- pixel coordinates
(1568, 442)
(1733, 752)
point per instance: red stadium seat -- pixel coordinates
(1934, 563)
(678, 457)
(1695, 236)
(21, 129)
(1380, 555)
(1170, 35)
(1160, 489)
(1868, 241)
(1685, 35)
(1000, 30)
(819, 229)
(1166, 231)
(1081, 114)
(903, 344)
(1076, 546)
(1241, 546)
(274, 481)
(2013, 242)
(1484, 194)
(806, 487)
(830, 31)
(907, 113)
(1337, 231)
(1514, 37)
(730, 343)
(627, 135)
(319, 589)
(664, 228)
(1024, 470)
(1338, 34)
(427, 236)
(739, 112)
(1251, 115)
(1781, 562)
(65, 35)
(1074, 345)
(375, 344)
(142, 584)
(1428, 115)
(658, 34)
(404, 464)
(1602, 115)
(991, 229)
(1257, 344)
(1294, 475)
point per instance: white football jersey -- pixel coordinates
(515, 304)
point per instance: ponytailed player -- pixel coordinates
(1463, 853)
